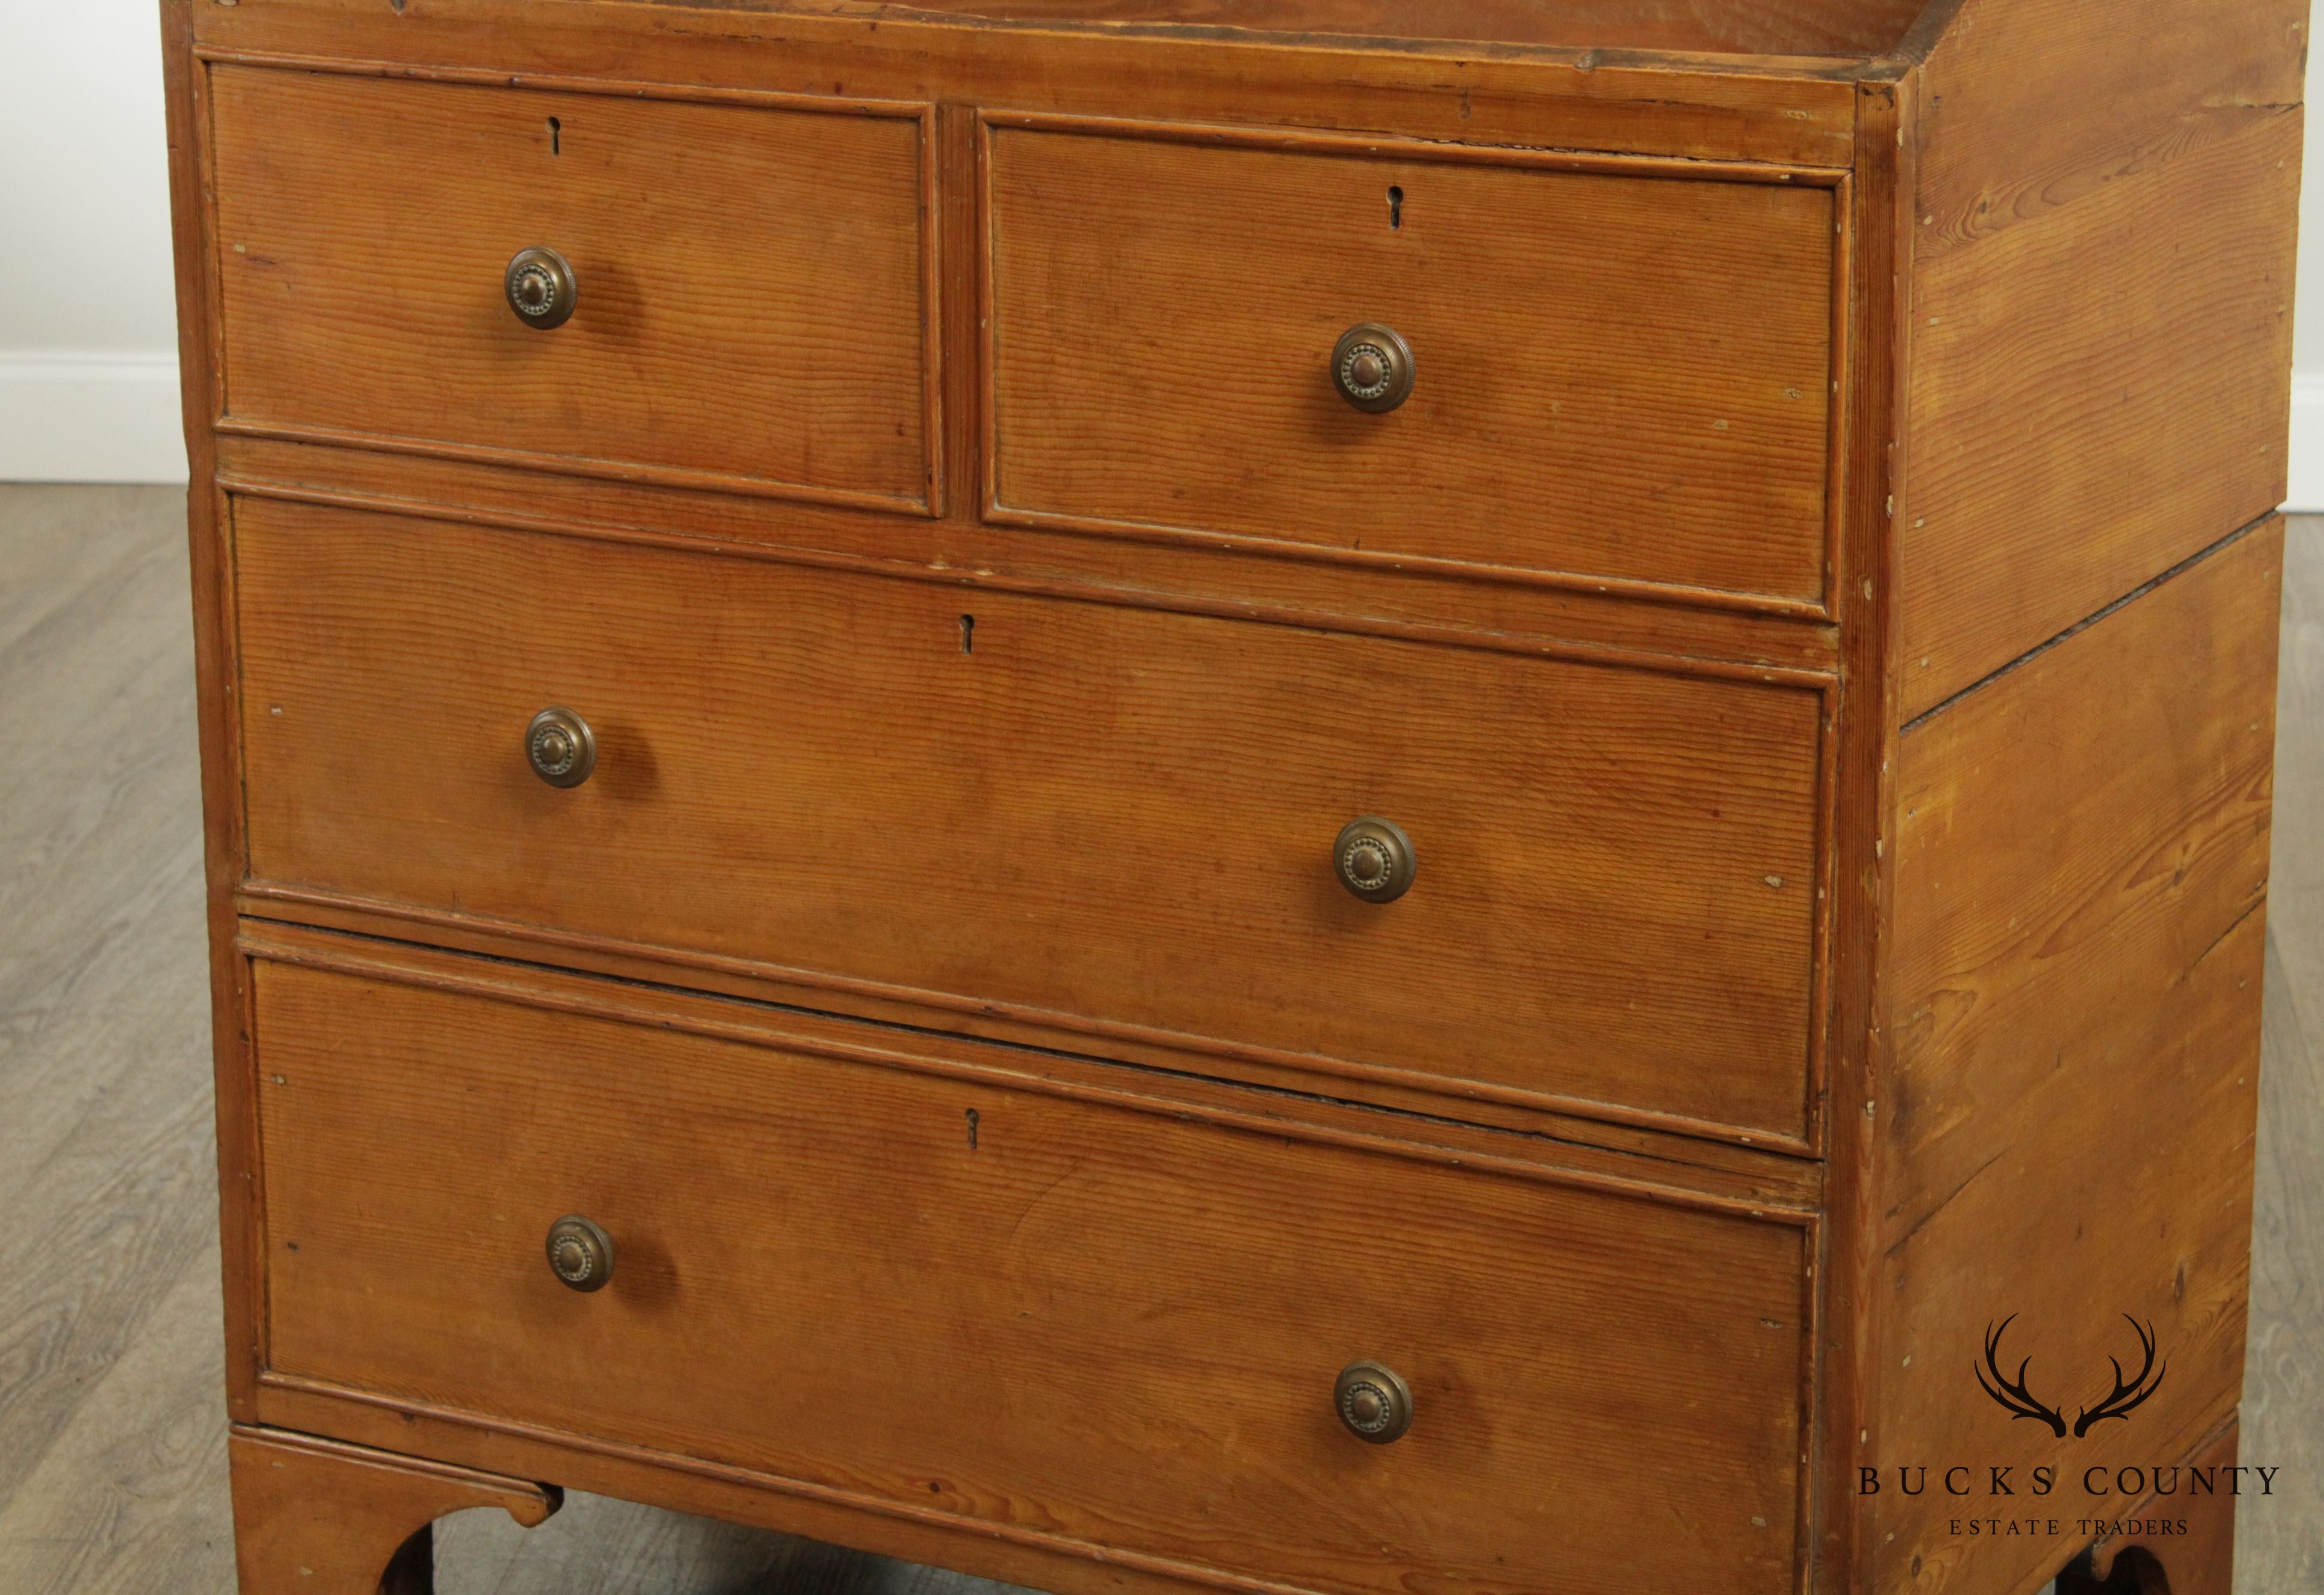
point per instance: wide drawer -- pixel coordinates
(1118, 821)
(1616, 378)
(1086, 1320)
(752, 304)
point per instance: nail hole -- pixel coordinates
(556, 136)
(968, 634)
(1394, 205)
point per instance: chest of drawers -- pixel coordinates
(1291, 796)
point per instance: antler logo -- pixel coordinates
(2015, 1398)
(2125, 1398)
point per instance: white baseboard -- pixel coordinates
(2306, 493)
(70, 416)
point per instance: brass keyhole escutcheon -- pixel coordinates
(580, 1254)
(560, 747)
(1372, 366)
(1373, 1401)
(1375, 859)
(540, 288)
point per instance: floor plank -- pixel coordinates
(2281, 1540)
(112, 1456)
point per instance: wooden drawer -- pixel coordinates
(1087, 1320)
(1620, 379)
(753, 302)
(1120, 821)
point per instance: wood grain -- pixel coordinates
(2097, 390)
(1754, 1188)
(872, 1279)
(2195, 1555)
(1863, 865)
(2028, 105)
(127, 1490)
(317, 1517)
(1743, 27)
(1617, 376)
(780, 346)
(187, 111)
(2081, 864)
(1081, 810)
(1705, 107)
(1246, 583)
(2024, 814)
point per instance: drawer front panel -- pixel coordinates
(1105, 815)
(1103, 1325)
(1615, 376)
(751, 304)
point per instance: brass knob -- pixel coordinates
(1374, 857)
(581, 1254)
(540, 288)
(1373, 1401)
(1372, 366)
(561, 746)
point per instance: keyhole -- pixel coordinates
(1395, 207)
(556, 136)
(972, 1147)
(968, 634)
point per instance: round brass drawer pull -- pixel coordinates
(581, 1254)
(1373, 1401)
(1374, 859)
(540, 288)
(1372, 366)
(561, 748)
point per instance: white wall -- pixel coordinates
(2307, 317)
(88, 345)
(89, 361)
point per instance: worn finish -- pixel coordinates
(1073, 813)
(2083, 854)
(1713, 106)
(322, 1518)
(780, 346)
(1620, 373)
(2101, 327)
(116, 1455)
(1743, 27)
(1182, 1287)
(1073, 582)
(2012, 537)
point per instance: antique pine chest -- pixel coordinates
(1257, 795)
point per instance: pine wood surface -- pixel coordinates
(1748, 27)
(111, 1436)
(318, 1518)
(959, 801)
(780, 346)
(2064, 822)
(1711, 106)
(1616, 375)
(2081, 860)
(2101, 245)
(888, 1284)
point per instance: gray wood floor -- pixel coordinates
(112, 1435)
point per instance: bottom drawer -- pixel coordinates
(1095, 1322)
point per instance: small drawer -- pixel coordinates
(1613, 378)
(1123, 824)
(725, 295)
(1095, 1322)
